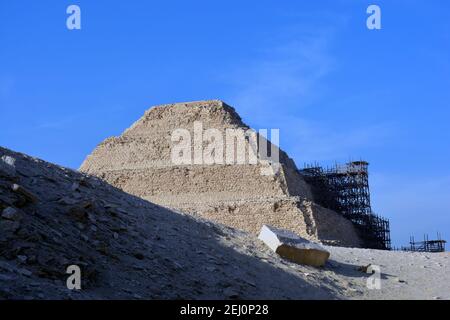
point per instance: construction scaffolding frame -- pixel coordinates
(426, 245)
(345, 189)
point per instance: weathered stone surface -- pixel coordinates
(292, 247)
(7, 229)
(7, 166)
(77, 212)
(29, 196)
(240, 196)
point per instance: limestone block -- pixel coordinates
(292, 247)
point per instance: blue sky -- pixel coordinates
(335, 89)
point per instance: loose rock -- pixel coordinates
(12, 213)
(29, 196)
(7, 166)
(292, 247)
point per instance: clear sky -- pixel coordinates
(336, 90)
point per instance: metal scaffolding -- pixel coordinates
(426, 245)
(345, 189)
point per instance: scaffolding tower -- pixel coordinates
(345, 189)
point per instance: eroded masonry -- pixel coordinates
(238, 195)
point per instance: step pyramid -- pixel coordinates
(241, 195)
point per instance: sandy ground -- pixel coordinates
(404, 275)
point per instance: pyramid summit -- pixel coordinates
(140, 162)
